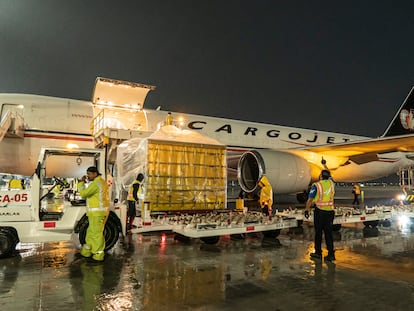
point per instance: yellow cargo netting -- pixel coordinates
(185, 177)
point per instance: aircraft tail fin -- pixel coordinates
(403, 121)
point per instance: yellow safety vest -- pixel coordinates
(131, 190)
(326, 200)
(97, 196)
(410, 196)
(266, 194)
(15, 184)
(169, 119)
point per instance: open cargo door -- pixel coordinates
(118, 105)
(122, 94)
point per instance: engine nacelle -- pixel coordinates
(287, 173)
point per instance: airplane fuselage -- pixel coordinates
(58, 122)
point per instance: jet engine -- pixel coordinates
(287, 173)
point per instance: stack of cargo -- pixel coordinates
(184, 170)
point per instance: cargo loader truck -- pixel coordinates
(29, 215)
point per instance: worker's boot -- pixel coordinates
(316, 256)
(330, 257)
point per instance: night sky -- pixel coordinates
(342, 66)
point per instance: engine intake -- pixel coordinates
(286, 172)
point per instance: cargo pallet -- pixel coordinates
(369, 216)
(211, 225)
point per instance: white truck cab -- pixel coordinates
(25, 215)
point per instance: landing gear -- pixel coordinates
(302, 197)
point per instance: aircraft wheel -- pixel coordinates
(336, 227)
(271, 233)
(111, 231)
(210, 239)
(302, 197)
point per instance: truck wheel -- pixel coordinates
(182, 238)
(238, 236)
(336, 227)
(371, 223)
(210, 239)
(6, 244)
(386, 223)
(111, 231)
(271, 233)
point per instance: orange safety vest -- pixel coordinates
(325, 194)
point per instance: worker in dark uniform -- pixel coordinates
(321, 197)
(133, 198)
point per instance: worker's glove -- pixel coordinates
(306, 214)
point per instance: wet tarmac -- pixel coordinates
(374, 270)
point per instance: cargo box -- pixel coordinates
(183, 170)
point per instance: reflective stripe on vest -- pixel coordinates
(325, 195)
(102, 199)
(410, 197)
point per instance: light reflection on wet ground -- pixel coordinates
(157, 272)
(152, 272)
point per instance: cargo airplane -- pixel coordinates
(291, 158)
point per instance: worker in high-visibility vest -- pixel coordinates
(321, 197)
(409, 195)
(97, 201)
(169, 119)
(266, 195)
(16, 184)
(133, 198)
(356, 191)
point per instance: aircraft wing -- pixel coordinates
(403, 143)
(361, 151)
